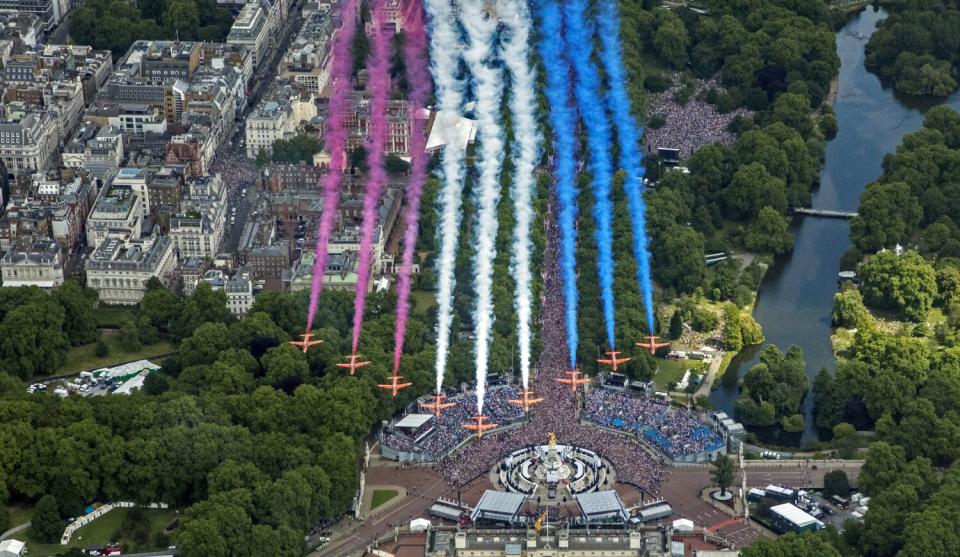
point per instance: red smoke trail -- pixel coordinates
(335, 139)
(415, 61)
(379, 83)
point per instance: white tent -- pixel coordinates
(419, 525)
(683, 525)
(11, 548)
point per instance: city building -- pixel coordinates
(307, 61)
(119, 269)
(267, 261)
(253, 29)
(52, 206)
(117, 213)
(49, 12)
(164, 192)
(399, 123)
(278, 116)
(33, 262)
(197, 229)
(239, 291)
(28, 141)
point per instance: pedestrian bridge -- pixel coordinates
(826, 213)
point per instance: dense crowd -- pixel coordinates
(675, 431)
(689, 126)
(558, 413)
(236, 170)
(446, 431)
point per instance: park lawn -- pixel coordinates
(110, 317)
(423, 301)
(671, 371)
(936, 316)
(20, 514)
(82, 358)
(103, 531)
(381, 496)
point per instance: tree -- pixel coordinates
(671, 39)
(102, 350)
(79, 324)
(161, 307)
(676, 326)
(906, 284)
(206, 305)
(732, 332)
(284, 364)
(794, 110)
(46, 522)
(263, 158)
(845, 440)
(793, 423)
(300, 148)
(792, 545)
(769, 233)
(4, 518)
(129, 335)
(182, 19)
(835, 482)
(679, 258)
(722, 473)
(31, 339)
(888, 215)
(752, 189)
(849, 311)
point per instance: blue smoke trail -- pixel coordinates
(562, 119)
(579, 38)
(628, 138)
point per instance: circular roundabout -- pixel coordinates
(553, 473)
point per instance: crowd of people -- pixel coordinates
(236, 171)
(558, 413)
(691, 125)
(440, 434)
(674, 431)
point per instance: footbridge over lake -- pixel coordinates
(826, 213)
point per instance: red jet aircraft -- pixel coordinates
(652, 344)
(613, 360)
(526, 401)
(306, 343)
(353, 364)
(394, 385)
(574, 379)
(479, 427)
(438, 404)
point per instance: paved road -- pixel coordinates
(14, 530)
(351, 536)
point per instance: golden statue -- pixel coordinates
(553, 439)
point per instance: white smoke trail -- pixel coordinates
(481, 30)
(523, 103)
(445, 51)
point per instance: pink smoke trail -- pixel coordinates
(378, 67)
(415, 62)
(335, 138)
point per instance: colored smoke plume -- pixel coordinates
(335, 140)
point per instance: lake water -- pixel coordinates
(796, 295)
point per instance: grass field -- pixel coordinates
(423, 301)
(110, 317)
(20, 514)
(103, 531)
(80, 358)
(671, 371)
(381, 496)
